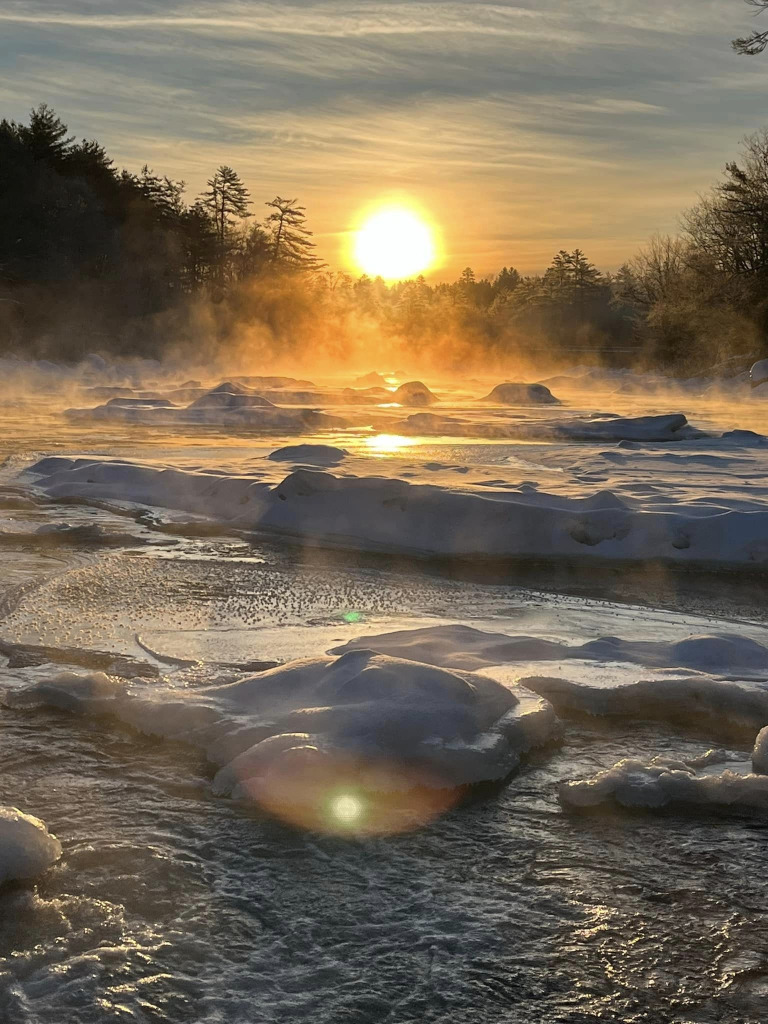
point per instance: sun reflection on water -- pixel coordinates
(388, 444)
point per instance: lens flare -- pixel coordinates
(394, 243)
(346, 809)
(338, 794)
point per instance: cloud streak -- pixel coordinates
(521, 128)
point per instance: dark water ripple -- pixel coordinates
(170, 906)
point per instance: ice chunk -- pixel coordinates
(760, 752)
(320, 454)
(293, 736)
(664, 782)
(672, 427)
(27, 848)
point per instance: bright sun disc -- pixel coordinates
(394, 243)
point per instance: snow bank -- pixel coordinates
(665, 782)
(521, 394)
(26, 846)
(464, 647)
(760, 753)
(425, 519)
(291, 737)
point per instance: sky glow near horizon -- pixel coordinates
(519, 130)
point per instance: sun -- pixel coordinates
(394, 243)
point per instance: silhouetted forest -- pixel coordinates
(93, 258)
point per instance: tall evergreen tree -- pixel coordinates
(227, 198)
(292, 244)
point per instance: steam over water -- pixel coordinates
(545, 594)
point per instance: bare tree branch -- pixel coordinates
(756, 42)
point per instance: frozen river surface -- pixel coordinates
(639, 897)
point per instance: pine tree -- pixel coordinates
(292, 244)
(226, 198)
(46, 135)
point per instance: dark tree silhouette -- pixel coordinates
(292, 244)
(226, 198)
(756, 41)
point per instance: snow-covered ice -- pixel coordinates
(760, 752)
(666, 782)
(363, 721)
(27, 848)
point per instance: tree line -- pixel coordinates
(93, 258)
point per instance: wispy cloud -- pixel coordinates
(522, 126)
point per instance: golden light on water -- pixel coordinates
(394, 242)
(388, 444)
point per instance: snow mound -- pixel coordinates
(521, 394)
(414, 393)
(296, 736)
(464, 647)
(666, 782)
(26, 846)
(319, 454)
(760, 753)
(231, 396)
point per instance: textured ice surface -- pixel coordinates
(26, 846)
